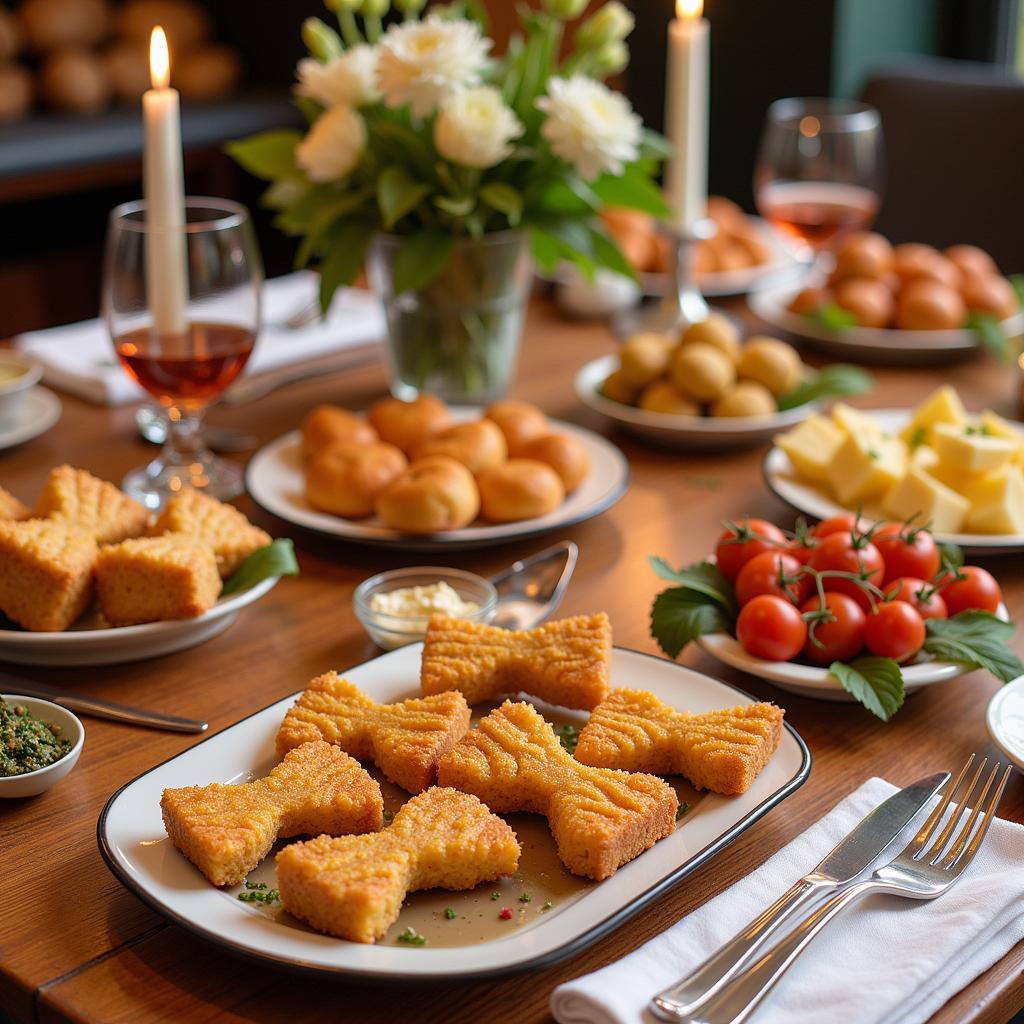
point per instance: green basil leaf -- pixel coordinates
(503, 198)
(976, 639)
(633, 189)
(268, 155)
(345, 252)
(702, 577)
(989, 332)
(876, 682)
(834, 317)
(680, 615)
(950, 556)
(421, 258)
(608, 254)
(276, 559)
(398, 194)
(837, 379)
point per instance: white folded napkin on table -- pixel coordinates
(79, 358)
(883, 959)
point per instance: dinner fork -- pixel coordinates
(917, 873)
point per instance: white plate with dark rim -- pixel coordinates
(275, 480)
(38, 410)
(133, 842)
(84, 644)
(869, 344)
(695, 433)
(805, 497)
(1005, 720)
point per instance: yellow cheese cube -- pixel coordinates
(956, 479)
(924, 457)
(811, 445)
(997, 503)
(922, 498)
(866, 466)
(968, 450)
(854, 421)
(941, 406)
(998, 427)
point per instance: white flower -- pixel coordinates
(349, 79)
(333, 146)
(422, 62)
(475, 127)
(589, 126)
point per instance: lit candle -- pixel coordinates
(686, 113)
(163, 185)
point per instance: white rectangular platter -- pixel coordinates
(133, 842)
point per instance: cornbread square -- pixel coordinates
(11, 508)
(232, 537)
(149, 579)
(91, 505)
(46, 573)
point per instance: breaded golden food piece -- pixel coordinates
(232, 537)
(46, 573)
(12, 508)
(405, 740)
(91, 505)
(722, 750)
(600, 818)
(226, 830)
(151, 579)
(353, 887)
(565, 662)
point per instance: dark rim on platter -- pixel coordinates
(560, 953)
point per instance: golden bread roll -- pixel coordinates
(518, 421)
(15, 92)
(809, 301)
(661, 396)
(863, 254)
(403, 424)
(186, 23)
(772, 363)
(993, 295)
(520, 489)
(11, 36)
(74, 79)
(644, 358)
(127, 66)
(702, 372)
(208, 73)
(869, 300)
(329, 424)
(914, 260)
(434, 494)
(49, 24)
(345, 478)
(718, 331)
(927, 305)
(478, 445)
(971, 261)
(564, 454)
(726, 214)
(757, 250)
(732, 257)
(748, 398)
(615, 388)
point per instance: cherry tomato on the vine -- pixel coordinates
(851, 553)
(907, 551)
(848, 522)
(921, 596)
(772, 572)
(839, 634)
(894, 630)
(744, 539)
(971, 587)
(770, 627)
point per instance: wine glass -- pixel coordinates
(818, 176)
(183, 306)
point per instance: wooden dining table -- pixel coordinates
(75, 945)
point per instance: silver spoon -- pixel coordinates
(532, 588)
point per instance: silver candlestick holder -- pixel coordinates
(683, 303)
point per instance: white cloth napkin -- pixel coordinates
(79, 358)
(883, 959)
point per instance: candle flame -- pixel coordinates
(689, 9)
(159, 59)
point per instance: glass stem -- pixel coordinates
(185, 440)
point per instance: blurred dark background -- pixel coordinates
(954, 132)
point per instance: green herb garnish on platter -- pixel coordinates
(833, 381)
(27, 743)
(411, 937)
(569, 736)
(834, 317)
(276, 559)
(450, 914)
(683, 808)
(988, 330)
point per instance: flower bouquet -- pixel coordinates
(440, 168)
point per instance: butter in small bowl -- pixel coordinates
(18, 375)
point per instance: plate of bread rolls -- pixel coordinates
(420, 475)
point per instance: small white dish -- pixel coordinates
(38, 410)
(84, 645)
(18, 375)
(869, 344)
(391, 631)
(275, 480)
(805, 497)
(34, 783)
(1005, 720)
(694, 433)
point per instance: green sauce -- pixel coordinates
(26, 743)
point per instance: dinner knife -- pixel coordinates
(875, 833)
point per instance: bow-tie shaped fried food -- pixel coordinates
(722, 750)
(600, 818)
(565, 662)
(353, 886)
(226, 830)
(405, 740)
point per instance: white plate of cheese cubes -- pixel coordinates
(962, 473)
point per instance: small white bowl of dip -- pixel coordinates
(18, 375)
(395, 606)
(67, 727)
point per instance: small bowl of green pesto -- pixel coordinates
(39, 744)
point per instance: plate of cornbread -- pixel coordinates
(936, 464)
(421, 475)
(89, 577)
(485, 802)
